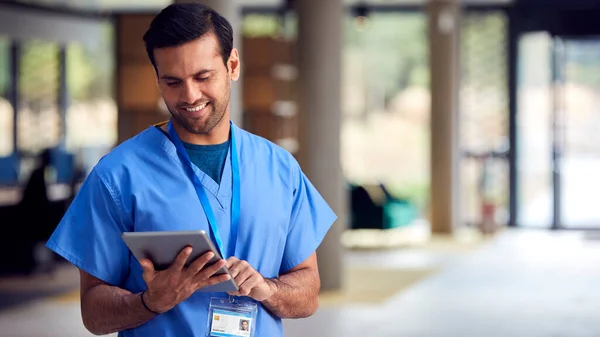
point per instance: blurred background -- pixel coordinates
(457, 140)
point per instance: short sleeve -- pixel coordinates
(89, 234)
(311, 219)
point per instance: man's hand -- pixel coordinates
(170, 287)
(250, 282)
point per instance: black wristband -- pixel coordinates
(146, 306)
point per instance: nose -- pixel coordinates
(190, 94)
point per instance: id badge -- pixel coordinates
(231, 318)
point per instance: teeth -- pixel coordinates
(198, 108)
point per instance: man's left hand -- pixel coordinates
(250, 282)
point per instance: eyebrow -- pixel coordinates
(173, 78)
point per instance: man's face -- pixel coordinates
(195, 83)
(244, 325)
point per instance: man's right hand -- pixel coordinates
(169, 287)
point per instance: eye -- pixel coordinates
(172, 83)
(203, 78)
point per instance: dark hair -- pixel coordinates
(180, 23)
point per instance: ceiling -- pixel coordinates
(128, 5)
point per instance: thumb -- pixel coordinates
(148, 268)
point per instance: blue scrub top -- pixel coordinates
(142, 186)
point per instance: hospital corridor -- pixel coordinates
(439, 158)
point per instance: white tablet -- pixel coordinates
(162, 248)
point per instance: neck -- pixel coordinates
(218, 135)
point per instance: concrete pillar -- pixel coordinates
(444, 28)
(319, 68)
(230, 10)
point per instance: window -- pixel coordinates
(484, 115)
(91, 112)
(6, 109)
(38, 116)
(385, 104)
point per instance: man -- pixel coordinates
(257, 196)
(244, 325)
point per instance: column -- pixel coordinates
(444, 27)
(230, 10)
(319, 67)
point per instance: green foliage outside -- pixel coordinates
(39, 73)
(89, 70)
(394, 47)
(4, 66)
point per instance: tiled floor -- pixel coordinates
(523, 283)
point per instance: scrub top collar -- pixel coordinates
(220, 191)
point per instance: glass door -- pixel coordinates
(577, 133)
(535, 191)
(558, 130)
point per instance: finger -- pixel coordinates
(241, 271)
(235, 293)
(238, 267)
(232, 261)
(213, 280)
(149, 271)
(246, 287)
(209, 271)
(244, 275)
(235, 269)
(181, 259)
(200, 262)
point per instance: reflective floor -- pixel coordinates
(521, 283)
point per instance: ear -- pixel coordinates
(234, 64)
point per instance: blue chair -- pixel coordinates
(9, 170)
(64, 163)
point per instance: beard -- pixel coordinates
(204, 125)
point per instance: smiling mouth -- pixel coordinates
(196, 108)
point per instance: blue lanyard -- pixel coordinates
(235, 197)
